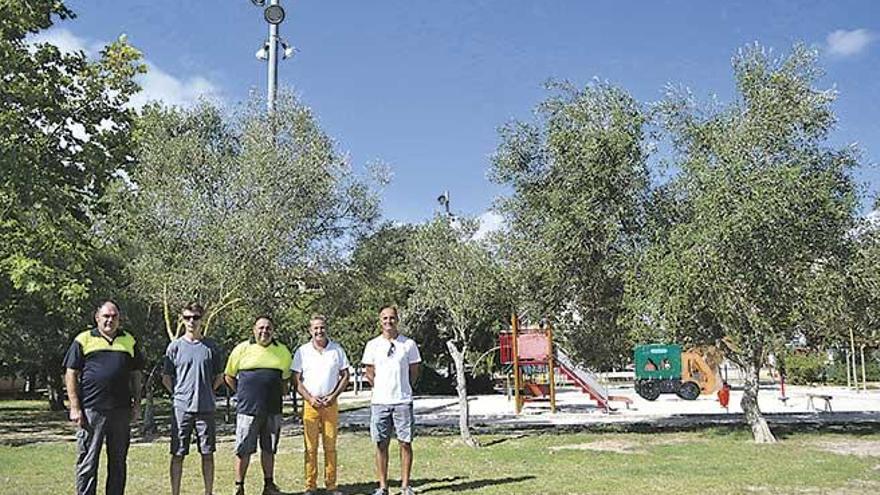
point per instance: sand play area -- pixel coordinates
(575, 408)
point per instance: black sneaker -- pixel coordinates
(271, 489)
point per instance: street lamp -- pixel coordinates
(443, 199)
(274, 15)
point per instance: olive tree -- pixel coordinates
(579, 181)
(237, 207)
(759, 202)
(456, 282)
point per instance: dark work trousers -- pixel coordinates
(112, 426)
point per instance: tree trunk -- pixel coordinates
(852, 347)
(864, 375)
(148, 422)
(461, 387)
(755, 419)
(56, 392)
(848, 369)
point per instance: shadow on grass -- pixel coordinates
(34, 423)
(450, 483)
(365, 488)
(22, 426)
(504, 439)
(463, 486)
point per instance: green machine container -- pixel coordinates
(658, 371)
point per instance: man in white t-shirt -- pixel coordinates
(392, 363)
(320, 373)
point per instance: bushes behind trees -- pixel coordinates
(816, 368)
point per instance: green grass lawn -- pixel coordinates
(709, 461)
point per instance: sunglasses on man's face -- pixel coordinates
(391, 350)
(192, 317)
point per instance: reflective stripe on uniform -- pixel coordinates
(124, 342)
(252, 356)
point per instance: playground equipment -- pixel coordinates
(535, 360)
(530, 352)
(665, 369)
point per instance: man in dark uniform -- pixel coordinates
(103, 380)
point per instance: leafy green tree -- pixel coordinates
(866, 273)
(234, 209)
(374, 276)
(64, 133)
(458, 284)
(841, 299)
(761, 202)
(579, 183)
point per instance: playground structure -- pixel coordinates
(535, 360)
(661, 369)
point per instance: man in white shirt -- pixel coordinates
(392, 361)
(320, 374)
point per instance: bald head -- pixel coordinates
(107, 318)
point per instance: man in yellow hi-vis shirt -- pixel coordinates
(258, 371)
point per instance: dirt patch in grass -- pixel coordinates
(851, 487)
(628, 446)
(859, 448)
(670, 440)
(615, 446)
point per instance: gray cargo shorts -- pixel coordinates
(183, 424)
(384, 416)
(249, 429)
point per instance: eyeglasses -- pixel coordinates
(192, 317)
(391, 350)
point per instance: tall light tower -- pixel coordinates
(274, 15)
(443, 199)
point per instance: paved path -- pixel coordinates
(576, 411)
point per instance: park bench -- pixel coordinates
(620, 398)
(812, 407)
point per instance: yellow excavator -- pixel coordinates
(701, 365)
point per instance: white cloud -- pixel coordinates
(489, 222)
(68, 42)
(869, 223)
(156, 84)
(79, 131)
(873, 219)
(846, 43)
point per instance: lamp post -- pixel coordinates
(274, 16)
(443, 199)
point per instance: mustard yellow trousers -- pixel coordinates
(321, 422)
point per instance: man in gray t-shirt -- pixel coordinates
(193, 369)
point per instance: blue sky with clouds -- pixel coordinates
(422, 85)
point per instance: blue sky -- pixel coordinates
(423, 85)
